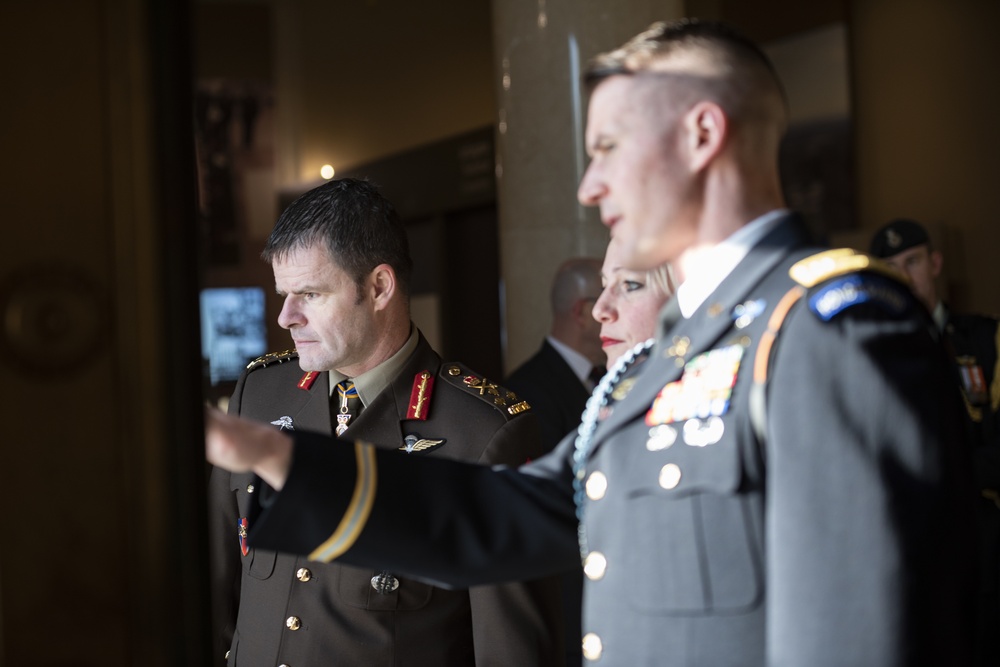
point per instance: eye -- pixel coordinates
(632, 285)
(604, 147)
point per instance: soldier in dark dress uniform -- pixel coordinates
(779, 486)
(972, 342)
(361, 369)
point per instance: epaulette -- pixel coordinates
(502, 399)
(845, 278)
(822, 266)
(272, 358)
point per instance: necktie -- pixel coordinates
(596, 373)
(349, 405)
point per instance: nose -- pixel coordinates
(603, 310)
(591, 186)
(290, 314)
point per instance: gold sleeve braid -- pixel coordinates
(360, 507)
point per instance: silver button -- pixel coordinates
(250, 488)
(592, 646)
(594, 565)
(303, 574)
(385, 583)
(597, 485)
(670, 476)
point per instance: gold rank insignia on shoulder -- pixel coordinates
(272, 358)
(416, 444)
(491, 392)
(822, 266)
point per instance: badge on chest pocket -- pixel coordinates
(698, 399)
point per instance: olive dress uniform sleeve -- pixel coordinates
(528, 610)
(226, 569)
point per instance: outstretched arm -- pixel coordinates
(239, 445)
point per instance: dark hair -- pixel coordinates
(359, 227)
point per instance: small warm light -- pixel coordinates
(327, 171)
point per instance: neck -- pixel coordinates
(731, 199)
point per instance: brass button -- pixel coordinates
(303, 574)
(293, 623)
(594, 565)
(454, 370)
(597, 485)
(670, 476)
(249, 488)
(592, 647)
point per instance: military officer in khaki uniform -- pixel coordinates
(784, 482)
(361, 369)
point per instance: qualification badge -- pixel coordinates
(283, 422)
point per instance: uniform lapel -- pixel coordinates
(380, 423)
(314, 413)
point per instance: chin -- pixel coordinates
(614, 352)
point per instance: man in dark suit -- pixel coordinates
(972, 343)
(779, 485)
(360, 368)
(558, 379)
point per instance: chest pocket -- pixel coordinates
(355, 589)
(692, 517)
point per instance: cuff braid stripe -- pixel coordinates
(357, 512)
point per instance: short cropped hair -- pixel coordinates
(747, 84)
(359, 227)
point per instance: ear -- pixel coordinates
(707, 128)
(582, 315)
(381, 286)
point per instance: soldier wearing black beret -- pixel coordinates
(972, 341)
(776, 485)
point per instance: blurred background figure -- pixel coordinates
(972, 341)
(558, 379)
(557, 382)
(629, 303)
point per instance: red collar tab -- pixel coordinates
(420, 396)
(307, 380)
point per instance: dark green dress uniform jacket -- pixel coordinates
(836, 530)
(340, 618)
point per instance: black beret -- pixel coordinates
(897, 236)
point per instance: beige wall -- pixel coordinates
(928, 140)
(362, 80)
